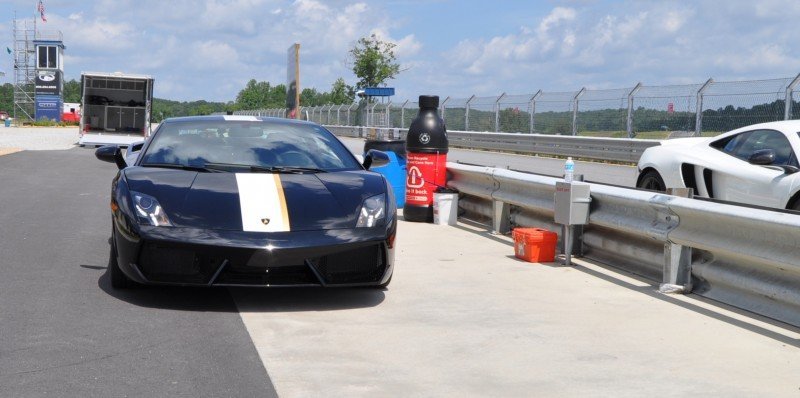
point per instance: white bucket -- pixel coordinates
(445, 208)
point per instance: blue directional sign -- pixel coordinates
(379, 91)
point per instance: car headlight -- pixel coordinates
(372, 211)
(149, 211)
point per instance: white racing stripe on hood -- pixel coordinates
(263, 203)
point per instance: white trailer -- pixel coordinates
(115, 108)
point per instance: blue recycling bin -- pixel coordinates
(395, 170)
(8, 122)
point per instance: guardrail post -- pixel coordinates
(629, 122)
(501, 220)
(466, 112)
(497, 113)
(677, 276)
(698, 124)
(575, 111)
(787, 108)
(533, 108)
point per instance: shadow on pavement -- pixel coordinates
(221, 299)
(652, 291)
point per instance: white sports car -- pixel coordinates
(756, 165)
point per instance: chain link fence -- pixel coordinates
(728, 105)
(639, 111)
(514, 113)
(553, 112)
(602, 112)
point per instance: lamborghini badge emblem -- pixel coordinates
(265, 221)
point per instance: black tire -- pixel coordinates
(118, 279)
(795, 205)
(651, 181)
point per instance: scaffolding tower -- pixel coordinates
(24, 58)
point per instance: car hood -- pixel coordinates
(258, 201)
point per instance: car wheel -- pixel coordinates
(795, 205)
(118, 279)
(651, 181)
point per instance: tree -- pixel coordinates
(7, 98)
(72, 91)
(311, 97)
(373, 61)
(254, 96)
(341, 93)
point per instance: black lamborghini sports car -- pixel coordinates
(248, 201)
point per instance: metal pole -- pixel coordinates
(388, 114)
(444, 106)
(466, 113)
(629, 122)
(533, 108)
(698, 124)
(568, 245)
(787, 109)
(372, 116)
(403, 114)
(575, 111)
(497, 113)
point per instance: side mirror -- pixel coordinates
(764, 157)
(375, 158)
(112, 154)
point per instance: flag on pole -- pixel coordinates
(40, 7)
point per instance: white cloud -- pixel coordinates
(405, 47)
(615, 47)
(560, 48)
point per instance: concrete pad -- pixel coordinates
(38, 138)
(8, 151)
(463, 317)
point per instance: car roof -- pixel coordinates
(238, 118)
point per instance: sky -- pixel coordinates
(209, 49)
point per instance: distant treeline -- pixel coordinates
(255, 95)
(608, 120)
(263, 95)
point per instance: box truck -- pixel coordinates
(115, 108)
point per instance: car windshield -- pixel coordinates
(257, 146)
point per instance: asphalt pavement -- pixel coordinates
(65, 333)
(462, 317)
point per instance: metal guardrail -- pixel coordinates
(740, 256)
(607, 149)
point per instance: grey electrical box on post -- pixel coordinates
(572, 203)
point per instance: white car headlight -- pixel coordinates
(372, 211)
(149, 211)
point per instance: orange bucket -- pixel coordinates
(535, 245)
